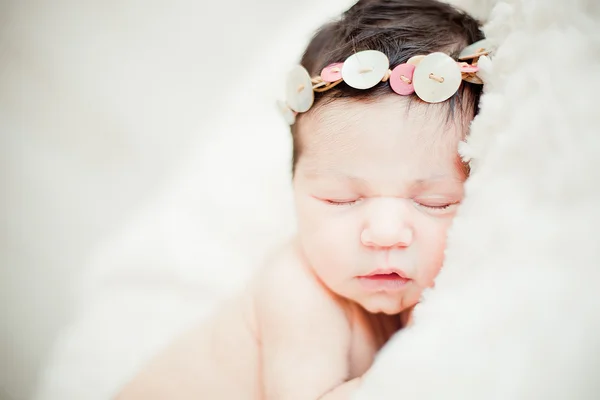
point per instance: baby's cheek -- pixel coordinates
(331, 237)
(432, 254)
(325, 250)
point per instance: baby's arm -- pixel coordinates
(305, 334)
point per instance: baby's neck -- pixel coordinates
(381, 326)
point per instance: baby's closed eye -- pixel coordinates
(341, 202)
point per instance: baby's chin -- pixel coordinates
(386, 304)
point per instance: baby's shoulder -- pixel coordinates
(287, 282)
(287, 274)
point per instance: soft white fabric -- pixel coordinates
(229, 203)
(512, 316)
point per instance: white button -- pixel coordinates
(299, 92)
(471, 51)
(288, 115)
(473, 78)
(415, 60)
(365, 69)
(485, 68)
(436, 78)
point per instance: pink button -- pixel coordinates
(468, 68)
(332, 72)
(401, 79)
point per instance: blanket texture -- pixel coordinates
(514, 314)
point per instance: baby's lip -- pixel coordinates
(390, 280)
(386, 272)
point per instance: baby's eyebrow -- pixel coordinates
(314, 173)
(412, 185)
(423, 183)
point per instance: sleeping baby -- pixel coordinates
(377, 108)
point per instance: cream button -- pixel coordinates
(477, 49)
(299, 92)
(365, 69)
(472, 78)
(436, 78)
(415, 60)
(288, 115)
(485, 68)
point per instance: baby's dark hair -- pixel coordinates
(400, 29)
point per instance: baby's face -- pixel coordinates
(376, 190)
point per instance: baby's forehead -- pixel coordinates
(383, 140)
(343, 123)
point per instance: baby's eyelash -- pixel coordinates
(440, 207)
(342, 202)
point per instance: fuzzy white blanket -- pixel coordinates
(513, 315)
(515, 311)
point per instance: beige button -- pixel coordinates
(485, 68)
(415, 60)
(472, 78)
(365, 69)
(288, 115)
(436, 78)
(477, 49)
(299, 92)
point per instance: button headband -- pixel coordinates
(434, 78)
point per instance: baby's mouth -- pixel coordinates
(386, 273)
(385, 276)
(383, 280)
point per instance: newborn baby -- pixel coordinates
(377, 182)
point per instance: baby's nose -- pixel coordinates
(397, 237)
(388, 225)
